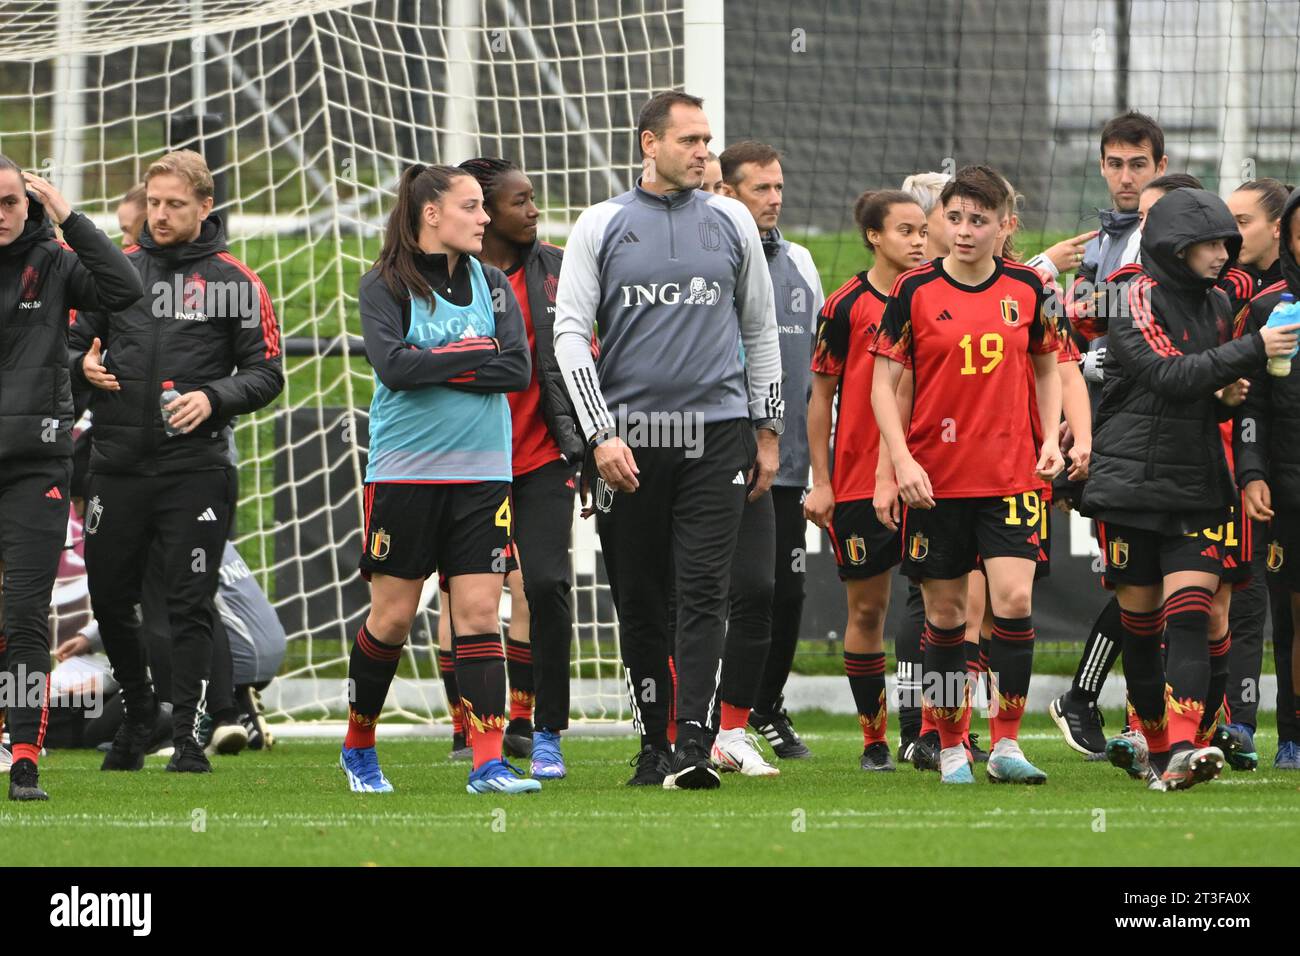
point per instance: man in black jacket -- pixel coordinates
(40, 281)
(207, 326)
(1159, 486)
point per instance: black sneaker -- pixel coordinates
(977, 755)
(460, 750)
(23, 783)
(925, 751)
(1238, 745)
(518, 739)
(692, 769)
(130, 743)
(188, 757)
(1081, 722)
(651, 767)
(906, 745)
(876, 757)
(777, 730)
(252, 716)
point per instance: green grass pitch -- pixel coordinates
(291, 806)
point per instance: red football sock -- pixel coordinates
(361, 730)
(927, 720)
(487, 744)
(1131, 716)
(733, 717)
(953, 724)
(26, 752)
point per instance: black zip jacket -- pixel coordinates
(1158, 459)
(42, 280)
(206, 322)
(1266, 441)
(541, 267)
(481, 364)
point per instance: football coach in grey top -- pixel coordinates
(675, 282)
(767, 576)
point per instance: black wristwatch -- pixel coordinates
(775, 425)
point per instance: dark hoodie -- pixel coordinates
(40, 282)
(1270, 416)
(206, 323)
(1158, 460)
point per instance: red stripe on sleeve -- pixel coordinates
(1139, 306)
(270, 327)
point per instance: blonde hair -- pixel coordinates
(189, 166)
(135, 196)
(925, 188)
(1009, 250)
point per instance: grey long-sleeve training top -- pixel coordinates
(676, 285)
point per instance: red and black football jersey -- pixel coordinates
(846, 327)
(969, 349)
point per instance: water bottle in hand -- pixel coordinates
(1286, 312)
(169, 395)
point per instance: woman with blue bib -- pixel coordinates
(446, 338)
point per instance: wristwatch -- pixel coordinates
(774, 425)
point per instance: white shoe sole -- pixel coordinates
(693, 778)
(1064, 727)
(728, 764)
(227, 740)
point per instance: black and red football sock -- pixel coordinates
(1011, 663)
(945, 685)
(481, 678)
(371, 667)
(519, 671)
(866, 674)
(1144, 673)
(1218, 686)
(1187, 617)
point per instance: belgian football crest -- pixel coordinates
(1276, 555)
(94, 511)
(856, 548)
(1117, 553)
(380, 542)
(710, 236)
(1010, 311)
(918, 547)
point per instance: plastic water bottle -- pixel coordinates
(169, 395)
(1284, 313)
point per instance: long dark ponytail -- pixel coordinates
(418, 186)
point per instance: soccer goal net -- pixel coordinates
(307, 112)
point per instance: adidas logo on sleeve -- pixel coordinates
(208, 515)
